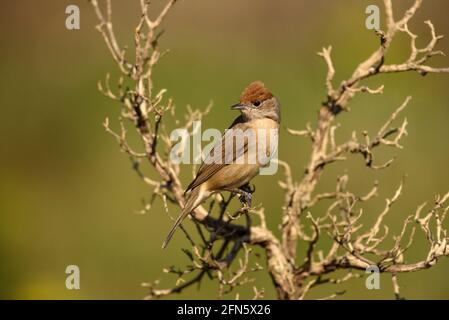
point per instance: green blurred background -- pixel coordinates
(68, 196)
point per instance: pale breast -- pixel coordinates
(266, 142)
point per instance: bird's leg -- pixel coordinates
(245, 193)
(247, 196)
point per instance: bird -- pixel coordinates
(229, 168)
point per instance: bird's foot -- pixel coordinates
(246, 194)
(246, 198)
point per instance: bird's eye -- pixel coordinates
(256, 103)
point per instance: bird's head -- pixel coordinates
(257, 102)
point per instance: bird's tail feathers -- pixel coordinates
(191, 204)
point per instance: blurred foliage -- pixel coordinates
(68, 196)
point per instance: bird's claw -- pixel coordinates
(245, 194)
(246, 198)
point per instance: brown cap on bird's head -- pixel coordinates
(256, 102)
(256, 91)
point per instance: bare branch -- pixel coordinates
(224, 250)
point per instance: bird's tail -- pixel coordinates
(192, 202)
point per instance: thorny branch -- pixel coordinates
(221, 240)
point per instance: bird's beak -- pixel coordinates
(238, 106)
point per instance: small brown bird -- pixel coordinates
(227, 169)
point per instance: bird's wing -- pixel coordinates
(214, 162)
